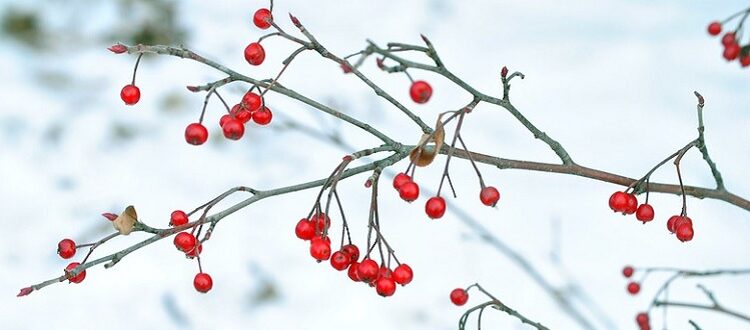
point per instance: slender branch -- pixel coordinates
(713, 308)
(496, 304)
(235, 76)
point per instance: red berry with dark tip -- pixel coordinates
(435, 207)
(195, 251)
(262, 116)
(642, 318)
(233, 129)
(402, 274)
(732, 51)
(262, 18)
(351, 250)
(634, 288)
(340, 260)
(400, 179)
(385, 286)
(78, 278)
(645, 213)
(367, 270)
(420, 91)
(352, 272)
(184, 241)
(130, 94)
(252, 101)
(320, 249)
(728, 39)
(679, 221)
(489, 196)
(196, 134)
(459, 297)
(66, 248)
(684, 231)
(618, 201)
(632, 205)
(627, 271)
(745, 61)
(203, 282)
(714, 28)
(178, 218)
(305, 230)
(409, 191)
(255, 54)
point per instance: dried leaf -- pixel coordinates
(429, 145)
(125, 222)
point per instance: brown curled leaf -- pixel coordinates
(429, 145)
(126, 221)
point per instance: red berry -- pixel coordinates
(203, 282)
(255, 54)
(435, 207)
(732, 51)
(400, 179)
(78, 278)
(409, 191)
(627, 271)
(252, 101)
(714, 28)
(351, 250)
(385, 286)
(321, 222)
(618, 202)
(262, 116)
(728, 39)
(224, 119)
(352, 272)
(632, 204)
(320, 249)
(645, 213)
(670, 223)
(489, 196)
(263, 18)
(178, 218)
(642, 318)
(233, 129)
(684, 231)
(367, 270)
(196, 134)
(745, 61)
(240, 112)
(130, 94)
(383, 272)
(195, 251)
(420, 91)
(679, 221)
(634, 288)
(459, 297)
(305, 230)
(66, 248)
(340, 260)
(403, 274)
(184, 241)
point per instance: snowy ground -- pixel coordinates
(611, 80)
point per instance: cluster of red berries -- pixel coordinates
(66, 248)
(627, 203)
(232, 124)
(732, 48)
(633, 288)
(435, 206)
(188, 244)
(367, 270)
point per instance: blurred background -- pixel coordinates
(611, 80)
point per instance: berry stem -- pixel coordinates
(135, 69)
